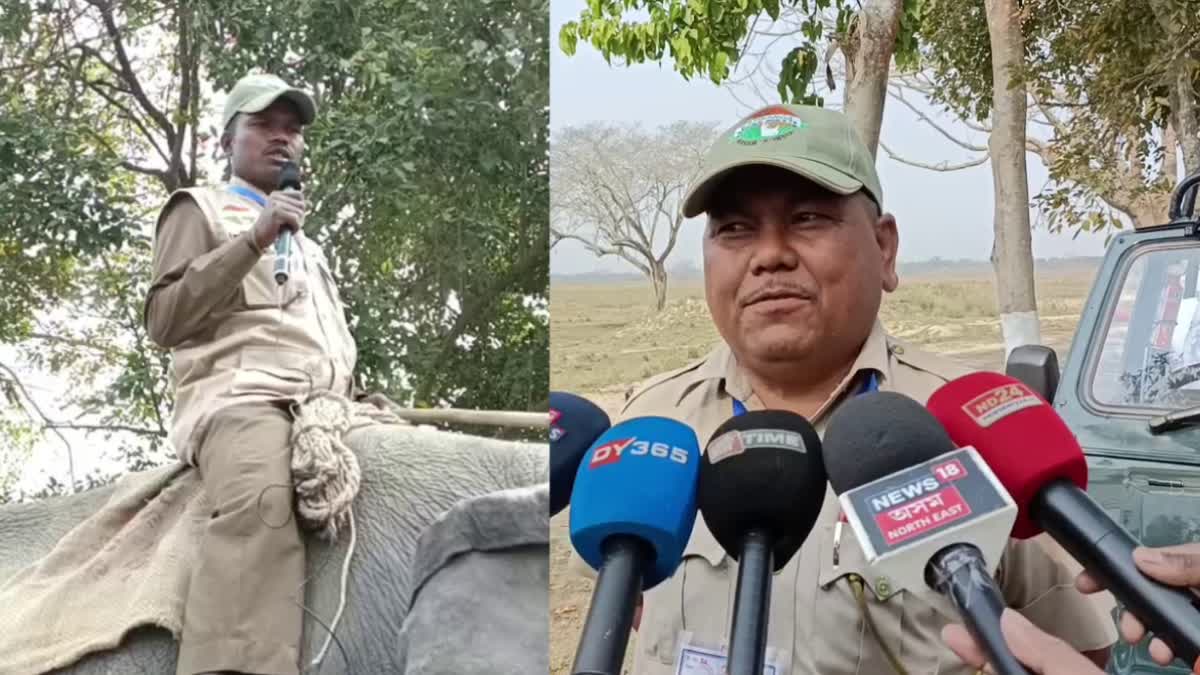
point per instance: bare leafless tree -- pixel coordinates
(617, 189)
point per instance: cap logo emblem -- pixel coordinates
(770, 124)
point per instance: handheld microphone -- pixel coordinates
(289, 177)
(574, 423)
(925, 514)
(761, 487)
(1036, 457)
(632, 513)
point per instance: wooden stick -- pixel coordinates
(494, 418)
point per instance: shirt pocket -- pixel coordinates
(909, 621)
(278, 372)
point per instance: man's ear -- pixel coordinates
(887, 236)
(227, 135)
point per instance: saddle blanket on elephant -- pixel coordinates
(129, 564)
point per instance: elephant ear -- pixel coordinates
(479, 589)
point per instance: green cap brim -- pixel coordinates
(827, 177)
(304, 103)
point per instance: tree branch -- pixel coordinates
(899, 96)
(639, 265)
(128, 75)
(675, 225)
(94, 85)
(107, 351)
(46, 421)
(940, 166)
(106, 427)
(156, 173)
(1059, 127)
(95, 54)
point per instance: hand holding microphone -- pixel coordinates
(1177, 566)
(283, 214)
(1036, 457)
(1047, 655)
(1041, 652)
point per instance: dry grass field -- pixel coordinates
(606, 337)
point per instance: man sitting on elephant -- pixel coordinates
(243, 348)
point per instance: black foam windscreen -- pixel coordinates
(575, 423)
(762, 469)
(289, 176)
(877, 434)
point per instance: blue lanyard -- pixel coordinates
(872, 384)
(248, 194)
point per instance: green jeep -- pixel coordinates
(1130, 388)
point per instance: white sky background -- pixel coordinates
(946, 215)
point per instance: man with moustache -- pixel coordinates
(243, 348)
(797, 254)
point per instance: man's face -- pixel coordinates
(261, 142)
(792, 271)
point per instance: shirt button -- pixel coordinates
(883, 587)
(898, 350)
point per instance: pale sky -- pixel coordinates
(947, 215)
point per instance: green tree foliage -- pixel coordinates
(1105, 87)
(709, 38)
(426, 175)
(434, 131)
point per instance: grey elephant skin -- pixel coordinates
(478, 607)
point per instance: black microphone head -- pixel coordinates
(877, 434)
(575, 423)
(289, 176)
(762, 469)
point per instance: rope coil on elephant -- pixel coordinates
(325, 472)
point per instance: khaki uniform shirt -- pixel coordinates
(816, 626)
(235, 335)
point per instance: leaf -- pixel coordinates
(720, 67)
(567, 38)
(771, 7)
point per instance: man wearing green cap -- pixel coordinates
(243, 347)
(797, 255)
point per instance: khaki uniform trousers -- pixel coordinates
(243, 609)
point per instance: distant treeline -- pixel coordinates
(934, 267)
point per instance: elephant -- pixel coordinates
(449, 575)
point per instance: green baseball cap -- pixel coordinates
(256, 92)
(816, 143)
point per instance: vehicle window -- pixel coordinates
(1150, 356)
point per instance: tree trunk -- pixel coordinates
(1012, 252)
(658, 276)
(1183, 105)
(1182, 95)
(868, 64)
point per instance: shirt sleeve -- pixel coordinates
(196, 277)
(1038, 580)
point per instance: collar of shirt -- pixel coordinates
(722, 365)
(244, 189)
